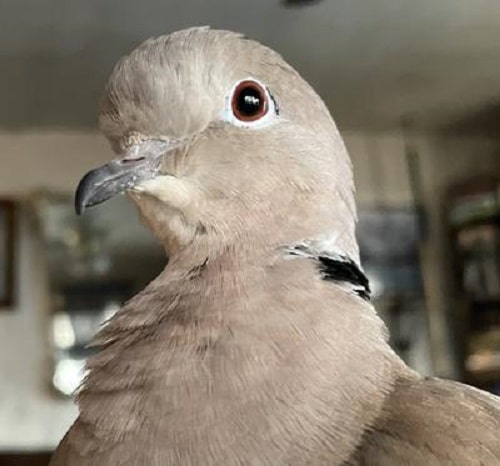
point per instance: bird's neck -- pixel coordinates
(259, 341)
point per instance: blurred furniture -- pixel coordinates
(474, 221)
(25, 459)
(94, 263)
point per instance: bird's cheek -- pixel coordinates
(176, 162)
(172, 227)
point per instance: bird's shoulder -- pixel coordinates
(430, 422)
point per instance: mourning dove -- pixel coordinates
(257, 345)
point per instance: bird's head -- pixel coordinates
(219, 140)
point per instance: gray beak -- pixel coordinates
(140, 162)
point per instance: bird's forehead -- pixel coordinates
(179, 81)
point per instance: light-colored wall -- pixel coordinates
(51, 159)
(30, 417)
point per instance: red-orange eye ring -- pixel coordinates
(249, 101)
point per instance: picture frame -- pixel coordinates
(7, 248)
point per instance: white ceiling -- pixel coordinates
(373, 61)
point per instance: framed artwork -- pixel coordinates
(7, 239)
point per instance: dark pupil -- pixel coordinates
(249, 101)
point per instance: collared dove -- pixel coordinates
(257, 345)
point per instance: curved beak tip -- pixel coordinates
(86, 193)
(80, 202)
(79, 206)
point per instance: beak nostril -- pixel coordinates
(131, 160)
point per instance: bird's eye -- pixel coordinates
(249, 101)
(250, 105)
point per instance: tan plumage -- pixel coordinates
(240, 352)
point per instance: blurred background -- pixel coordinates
(415, 90)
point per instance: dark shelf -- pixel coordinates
(477, 222)
(486, 302)
(483, 377)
